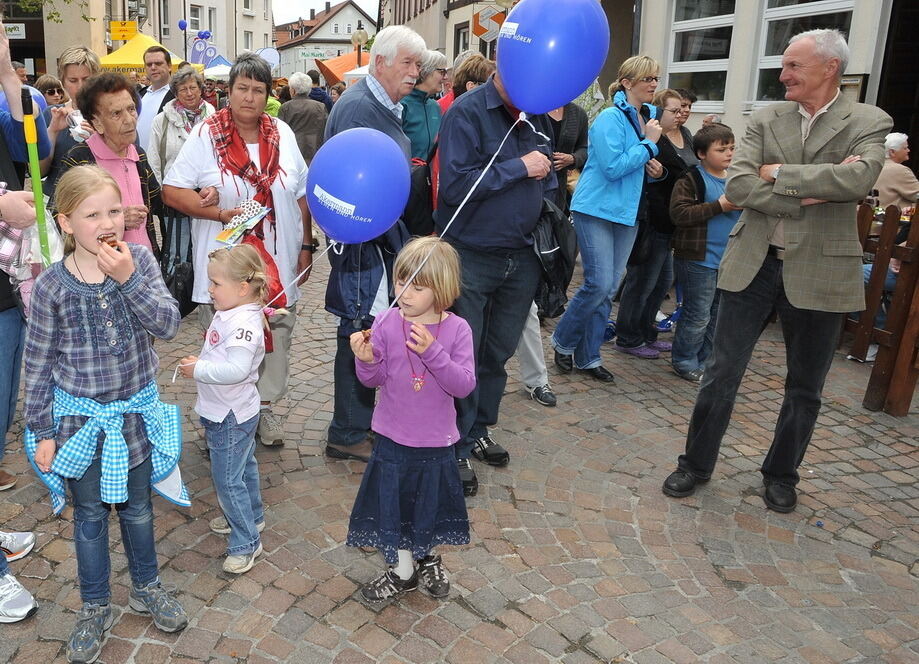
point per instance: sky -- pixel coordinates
(291, 10)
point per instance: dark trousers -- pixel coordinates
(810, 342)
(643, 291)
(353, 402)
(498, 289)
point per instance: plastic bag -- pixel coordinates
(28, 264)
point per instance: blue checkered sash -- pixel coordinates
(164, 431)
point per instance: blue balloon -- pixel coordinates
(182, 24)
(206, 34)
(547, 40)
(357, 185)
(38, 99)
(201, 34)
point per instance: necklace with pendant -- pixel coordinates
(417, 379)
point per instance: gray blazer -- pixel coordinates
(823, 257)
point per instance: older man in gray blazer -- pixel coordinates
(801, 168)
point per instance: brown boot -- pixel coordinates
(361, 451)
(7, 481)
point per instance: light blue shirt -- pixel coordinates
(383, 97)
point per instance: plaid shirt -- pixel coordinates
(164, 431)
(93, 340)
(10, 247)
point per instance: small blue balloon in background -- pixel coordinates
(37, 98)
(182, 24)
(357, 185)
(201, 34)
(547, 40)
(206, 34)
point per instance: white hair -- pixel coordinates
(828, 43)
(430, 61)
(299, 83)
(390, 40)
(894, 141)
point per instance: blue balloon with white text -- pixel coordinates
(357, 185)
(550, 51)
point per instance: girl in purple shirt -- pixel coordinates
(421, 357)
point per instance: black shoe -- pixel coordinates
(432, 578)
(600, 374)
(780, 498)
(680, 484)
(565, 363)
(694, 376)
(543, 394)
(467, 477)
(488, 451)
(387, 585)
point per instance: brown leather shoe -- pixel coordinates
(361, 451)
(7, 481)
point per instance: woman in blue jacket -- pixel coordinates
(621, 143)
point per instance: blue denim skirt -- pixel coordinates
(410, 498)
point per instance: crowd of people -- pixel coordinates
(417, 386)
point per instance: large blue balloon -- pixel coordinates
(357, 185)
(550, 51)
(38, 99)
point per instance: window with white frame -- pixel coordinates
(212, 19)
(194, 17)
(247, 40)
(247, 5)
(348, 29)
(783, 19)
(164, 15)
(700, 49)
(335, 28)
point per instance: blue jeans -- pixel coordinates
(810, 343)
(605, 247)
(12, 333)
(890, 283)
(90, 530)
(695, 329)
(643, 291)
(353, 409)
(236, 481)
(498, 289)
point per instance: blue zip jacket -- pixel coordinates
(611, 182)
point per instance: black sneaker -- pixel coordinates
(432, 578)
(387, 585)
(488, 451)
(543, 395)
(467, 477)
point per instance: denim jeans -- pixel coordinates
(12, 333)
(643, 291)
(890, 283)
(605, 247)
(90, 530)
(695, 329)
(236, 481)
(353, 411)
(4, 567)
(810, 343)
(498, 290)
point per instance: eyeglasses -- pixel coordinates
(53, 91)
(649, 79)
(441, 70)
(672, 110)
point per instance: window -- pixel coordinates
(212, 19)
(164, 16)
(701, 49)
(460, 38)
(194, 17)
(782, 20)
(267, 43)
(348, 29)
(247, 40)
(335, 29)
(247, 4)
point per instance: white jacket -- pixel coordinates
(167, 136)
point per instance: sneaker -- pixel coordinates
(661, 346)
(488, 451)
(661, 316)
(16, 545)
(467, 477)
(694, 376)
(870, 355)
(168, 615)
(86, 638)
(387, 585)
(7, 481)
(241, 563)
(16, 603)
(543, 394)
(644, 352)
(220, 526)
(270, 429)
(432, 578)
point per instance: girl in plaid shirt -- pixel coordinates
(91, 370)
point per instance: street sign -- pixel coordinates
(311, 53)
(15, 30)
(486, 23)
(122, 30)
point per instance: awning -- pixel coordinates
(334, 69)
(130, 57)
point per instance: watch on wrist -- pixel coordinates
(312, 248)
(775, 172)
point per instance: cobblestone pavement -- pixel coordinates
(576, 556)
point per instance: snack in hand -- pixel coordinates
(366, 334)
(109, 239)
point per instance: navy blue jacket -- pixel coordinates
(321, 95)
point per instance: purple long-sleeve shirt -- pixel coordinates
(426, 418)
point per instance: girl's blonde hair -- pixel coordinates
(243, 263)
(440, 272)
(634, 68)
(74, 187)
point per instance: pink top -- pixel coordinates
(124, 170)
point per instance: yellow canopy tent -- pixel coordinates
(130, 57)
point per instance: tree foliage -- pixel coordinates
(54, 7)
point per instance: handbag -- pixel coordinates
(419, 210)
(555, 244)
(178, 274)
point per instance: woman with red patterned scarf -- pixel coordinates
(247, 155)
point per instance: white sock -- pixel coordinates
(406, 566)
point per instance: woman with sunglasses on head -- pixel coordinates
(621, 151)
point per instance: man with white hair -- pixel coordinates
(361, 276)
(897, 184)
(307, 117)
(800, 169)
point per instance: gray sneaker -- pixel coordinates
(270, 430)
(86, 638)
(16, 603)
(221, 526)
(168, 615)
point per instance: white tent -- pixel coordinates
(218, 71)
(353, 76)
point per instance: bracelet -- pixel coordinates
(312, 248)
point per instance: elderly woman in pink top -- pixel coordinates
(109, 101)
